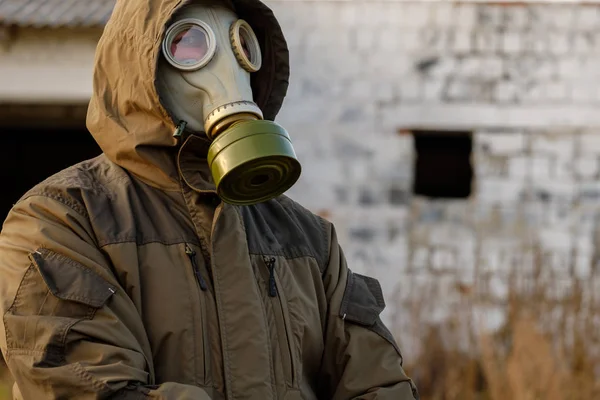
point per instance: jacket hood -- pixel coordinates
(125, 115)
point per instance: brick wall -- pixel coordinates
(523, 78)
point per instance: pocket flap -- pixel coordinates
(363, 303)
(69, 280)
(363, 300)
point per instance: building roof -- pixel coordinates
(55, 13)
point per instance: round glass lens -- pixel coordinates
(245, 38)
(245, 45)
(189, 46)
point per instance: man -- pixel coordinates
(128, 276)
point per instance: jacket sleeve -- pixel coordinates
(68, 330)
(362, 360)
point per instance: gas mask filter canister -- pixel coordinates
(209, 55)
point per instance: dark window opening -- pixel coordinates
(30, 154)
(443, 164)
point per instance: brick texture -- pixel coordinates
(524, 79)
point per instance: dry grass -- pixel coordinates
(548, 348)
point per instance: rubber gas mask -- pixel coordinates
(208, 54)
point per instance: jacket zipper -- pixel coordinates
(205, 337)
(192, 256)
(278, 307)
(272, 284)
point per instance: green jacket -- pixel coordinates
(125, 276)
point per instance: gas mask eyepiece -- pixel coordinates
(189, 44)
(211, 54)
(245, 46)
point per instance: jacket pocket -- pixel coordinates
(363, 303)
(55, 293)
(278, 313)
(203, 291)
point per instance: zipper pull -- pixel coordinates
(272, 284)
(192, 255)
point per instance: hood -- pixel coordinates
(125, 115)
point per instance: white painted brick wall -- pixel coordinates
(524, 79)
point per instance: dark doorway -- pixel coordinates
(30, 154)
(443, 164)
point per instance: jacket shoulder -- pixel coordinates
(283, 227)
(74, 184)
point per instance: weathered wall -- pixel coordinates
(46, 65)
(524, 79)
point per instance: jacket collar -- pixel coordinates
(193, 165)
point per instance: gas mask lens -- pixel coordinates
(189, 44)
(245, 46)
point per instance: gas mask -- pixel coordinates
(203, 77)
